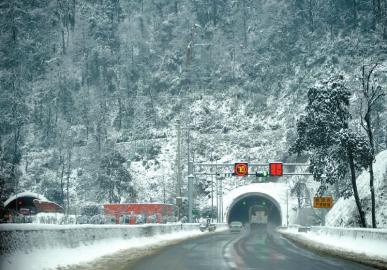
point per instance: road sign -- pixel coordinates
(262, 174)
(241, 169)
(323, 202)
(275, 169)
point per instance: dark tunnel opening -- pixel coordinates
(240, 210)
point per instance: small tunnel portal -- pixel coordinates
(239, 210)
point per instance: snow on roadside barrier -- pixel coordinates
(28, 246)
(27, 237)
(367, 246)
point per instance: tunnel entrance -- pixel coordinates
(239, 209)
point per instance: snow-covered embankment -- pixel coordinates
(29, 246)
(368, 246)
(345, 212)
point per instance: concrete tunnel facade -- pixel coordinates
(273, 195)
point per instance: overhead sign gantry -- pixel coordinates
(240, 169)
(245, 169)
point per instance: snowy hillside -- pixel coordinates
(344, 212)
(89, 102)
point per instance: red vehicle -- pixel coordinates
(159, 210)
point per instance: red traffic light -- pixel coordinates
(275, 169)
(241, 169)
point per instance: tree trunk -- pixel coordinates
(367, 119)
(244, 15)
(61, 161)
(63, 43)
(372, 189)
(61, 182)
(26, 165)
(337, 190)
(311, 19)
(214, 12)
(119, 113)
(354, 13)
(354, 187)
(176, 7)
(68, 181)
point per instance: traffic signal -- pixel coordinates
(262, 174)
(241, 169)
(275, 169)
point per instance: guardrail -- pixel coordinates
(361, 238)
(354, 233)
(28, 237)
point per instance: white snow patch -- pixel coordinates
(61, 257)
(376, 248)
(344, 209)
(25, 194)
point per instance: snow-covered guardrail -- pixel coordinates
(27, 237)
(364, 245)
(353, 233)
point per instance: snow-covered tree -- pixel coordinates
(324, 130)
(371, 94)
(114, 181)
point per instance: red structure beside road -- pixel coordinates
(145, 209)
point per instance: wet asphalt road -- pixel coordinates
(246, 250)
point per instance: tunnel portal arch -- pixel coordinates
(239, 207)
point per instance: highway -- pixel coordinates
(245, 250)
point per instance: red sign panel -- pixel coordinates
(145, 209)
(275, 169)
(241, 169)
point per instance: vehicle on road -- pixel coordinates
(236, 226)
(258, 217)
(211, 227)
(207, 226)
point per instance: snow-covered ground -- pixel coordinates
(344, 211)
(52, 258)
(334, 241)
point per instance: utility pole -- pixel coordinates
(212, 198)
(178, 160)
(190, 179)
(217, 199)
(287, 207)
(16, 193)
(212, 194)
(164, 189)
(221, 200)
(190, 191)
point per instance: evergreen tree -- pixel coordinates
(114, 181)
(324, 131)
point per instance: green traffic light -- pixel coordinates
(262, 174)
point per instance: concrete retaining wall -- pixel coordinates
(27, 237)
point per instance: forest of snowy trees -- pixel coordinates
(90, 91)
